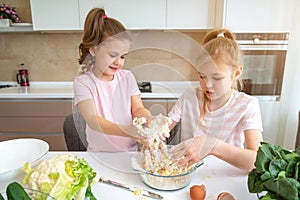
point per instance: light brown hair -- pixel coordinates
(220, 45)
(97, 27)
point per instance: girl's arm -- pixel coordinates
(138, 109)
(87, 109)
(239, 157)
(195, 149)
(172, 125)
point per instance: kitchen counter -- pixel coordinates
(64, 90)
(215, 174)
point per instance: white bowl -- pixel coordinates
(15, 153)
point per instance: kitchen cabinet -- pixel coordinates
(37, 118)
(190, 14)
(255, 15)
(69, 15)
(162, 14)
(138, 14)
(56, 15)
(157, 106)
(84, 8)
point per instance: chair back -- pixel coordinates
(74, 132)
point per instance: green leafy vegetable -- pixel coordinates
(15, 191)
(63, 177)
(276, 172)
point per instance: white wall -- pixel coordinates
(290, 101)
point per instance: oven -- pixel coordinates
(264, 56)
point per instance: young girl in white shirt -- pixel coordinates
(217, 119)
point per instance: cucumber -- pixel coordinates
(15, 191)
(1, 197)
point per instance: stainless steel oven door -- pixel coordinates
(263, 71)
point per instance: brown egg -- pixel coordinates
(225, 196)
(198, 192)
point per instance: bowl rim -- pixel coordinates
(46, 145)
(176, 175)
(196, 165)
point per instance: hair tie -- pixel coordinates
(220, 35)
(104, 16)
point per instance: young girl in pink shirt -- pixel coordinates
(217, 119)
(106, 95)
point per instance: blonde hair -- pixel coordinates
(220, 45)
(97, 27)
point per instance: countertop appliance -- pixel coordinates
(145, 86)
(22, 77)
(264, 56)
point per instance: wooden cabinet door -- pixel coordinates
(35, 119)
(55, 14)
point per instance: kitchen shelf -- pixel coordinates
(12, 29)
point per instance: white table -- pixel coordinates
(215, 174)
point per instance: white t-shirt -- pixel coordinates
(228, 123)
(113, 102)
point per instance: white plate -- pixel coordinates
(15, 153)
(21, 24)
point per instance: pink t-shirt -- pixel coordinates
(113, 102)
(228, 123)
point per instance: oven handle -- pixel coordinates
(262, 42)
(263, 47)
(267, 97)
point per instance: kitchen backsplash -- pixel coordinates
(53, 56)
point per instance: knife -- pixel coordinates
(134, 190)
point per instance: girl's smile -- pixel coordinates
(113, 68)
(110, 56)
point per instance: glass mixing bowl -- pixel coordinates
(162, 182)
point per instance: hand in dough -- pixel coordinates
(157, 128)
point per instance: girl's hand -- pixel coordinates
(133, 132)
(146, 142)
(163, 136)
(193, 150)
(155, 127)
